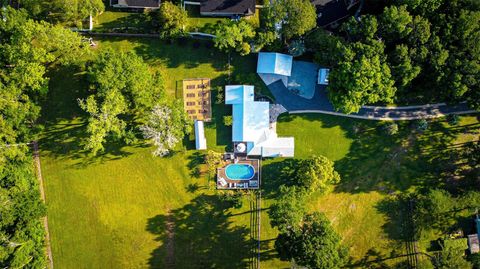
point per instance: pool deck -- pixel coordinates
(225, 183)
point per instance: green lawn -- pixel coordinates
(112, 211)
(374, 169)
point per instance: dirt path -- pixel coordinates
(170, 245)
(36, 156)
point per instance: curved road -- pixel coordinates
(320, 104)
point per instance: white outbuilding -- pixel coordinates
(200, 140)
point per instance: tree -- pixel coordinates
(297, 17)
(314, 244)
(213, 160)
(296, 48)
(234, 35)
(434, 210)
(104, 120)
(124, 87)
(329, 49)
(173, 20)
(396, 23)
(452, 258)
(362, 79)
(403, 69)
(288, 211)
(166, 126)
(316, 173)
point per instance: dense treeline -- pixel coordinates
(27, 50)
(413, 52)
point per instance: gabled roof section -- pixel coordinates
(274, 63)
(228, 7)
(135, 3)
(251, 121)
(238, 94)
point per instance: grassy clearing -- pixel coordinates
(374, 169)
(111, 211)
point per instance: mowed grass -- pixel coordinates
(112, 211)
(375, 168)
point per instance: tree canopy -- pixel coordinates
(172, 20)
(231, 35)
(27, 51)
(297, 17)
(123, 87)
(313, 244)
(418, 52)
(166, 126)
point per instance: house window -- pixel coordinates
(200, 94)
(191, 111)
(190, 87)
(190, 95)
(190, 103)
(201, 111)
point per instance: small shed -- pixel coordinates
(200, 140)
(323, 76)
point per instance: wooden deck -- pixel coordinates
(229, 184)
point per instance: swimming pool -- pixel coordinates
(239, 171)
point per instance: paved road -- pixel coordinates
(320, 104)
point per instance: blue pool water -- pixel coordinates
(239, 171)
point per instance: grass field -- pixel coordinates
(374, 169)
(127, 209)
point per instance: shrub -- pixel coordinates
(421, 125)
(231, 198)
(452, 119)
(220, 96)
(228, 120)
(390, 128)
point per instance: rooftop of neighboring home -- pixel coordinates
(331, 11)
(227, 7)
(274, 63)
(251, 124)
(135, 3)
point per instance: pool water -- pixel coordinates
(240, 171)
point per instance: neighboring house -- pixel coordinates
(200, 140)
(330, 12)
(227, 8)
(143, 4)
(251, 132)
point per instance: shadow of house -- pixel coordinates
(199, 235)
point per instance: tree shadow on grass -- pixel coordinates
(195, 161)
(203, 236)
(395, 163)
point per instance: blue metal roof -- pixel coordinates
(274, 63)
(238, 94)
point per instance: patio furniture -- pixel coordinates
(222, 182)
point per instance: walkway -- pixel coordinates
(320, 104)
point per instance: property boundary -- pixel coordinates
(36, 156)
